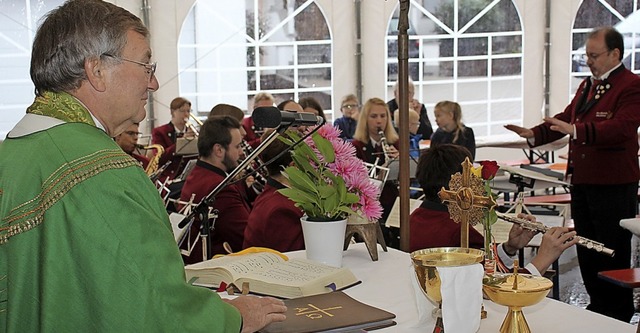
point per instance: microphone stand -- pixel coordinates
(201, 210)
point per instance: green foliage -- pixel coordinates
(322, 195)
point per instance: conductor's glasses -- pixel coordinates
(150, 67)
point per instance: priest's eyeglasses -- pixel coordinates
(150, 67)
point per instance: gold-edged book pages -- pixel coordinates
(269, 274)
(332, 312)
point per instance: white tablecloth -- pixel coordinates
(386, 284)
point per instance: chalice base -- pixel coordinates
(515, 322)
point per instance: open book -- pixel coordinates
(333, 312)
(268, 273)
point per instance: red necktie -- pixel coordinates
(592, 91)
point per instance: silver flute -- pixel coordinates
(540, 227)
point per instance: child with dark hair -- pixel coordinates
(431, 225)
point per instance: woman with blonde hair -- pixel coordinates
(450, 127)
(375, 118)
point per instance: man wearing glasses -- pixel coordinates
(85, 241)
(128, 141)
(602, 121)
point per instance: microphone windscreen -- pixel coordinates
(266, 116)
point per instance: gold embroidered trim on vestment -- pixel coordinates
(31, 213)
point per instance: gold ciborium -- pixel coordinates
(425, 263)
(516, 291)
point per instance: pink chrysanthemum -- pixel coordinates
(351, 169)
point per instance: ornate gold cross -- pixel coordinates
(465, 200)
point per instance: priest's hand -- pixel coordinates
(521, 131)
(559, 125)
(258, 312)
(554, 242)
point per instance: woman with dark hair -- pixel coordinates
(311, 105)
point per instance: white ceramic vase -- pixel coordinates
(324, 241)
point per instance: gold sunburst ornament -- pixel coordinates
(466, 200)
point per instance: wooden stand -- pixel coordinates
(370, 233)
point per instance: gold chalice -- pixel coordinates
(516, 291)
(425, 263)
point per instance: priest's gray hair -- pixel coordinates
(73, 33)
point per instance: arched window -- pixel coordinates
(230, 50)
(621, 14)
(18, 23)
(464, 51)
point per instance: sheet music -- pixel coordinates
(393, 220)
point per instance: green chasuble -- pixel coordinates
(85, 241)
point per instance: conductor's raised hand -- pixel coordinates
(258, 312)
(559, 125)
(521, 131)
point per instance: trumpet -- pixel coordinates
(539, 227)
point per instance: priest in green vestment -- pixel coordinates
(85, 241)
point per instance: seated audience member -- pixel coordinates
(274, 221)
(431, 225)
(253, 132)
(128, 141)
(375, 118)
(311, 105)
(219, 150)
(451, 129)
(425, 124)
(168, 134)
(350, 108)
(414, 136)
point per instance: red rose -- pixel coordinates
(489, 169)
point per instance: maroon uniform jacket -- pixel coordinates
(251, 138)
(233, 210)
(368, 153)
(274, 221)
(144, 161)
(166, 136)
(605, 150)
(431, 226)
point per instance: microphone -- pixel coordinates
(140, 146)
(272, 117)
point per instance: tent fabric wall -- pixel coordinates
(166, 21)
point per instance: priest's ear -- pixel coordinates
(96, 71)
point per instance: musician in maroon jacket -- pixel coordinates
(167, 134)
(274, 221)
(128, 141)
(253, 132)
(219, 150)
(375, 117)
(432, 226)
(602, 121)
